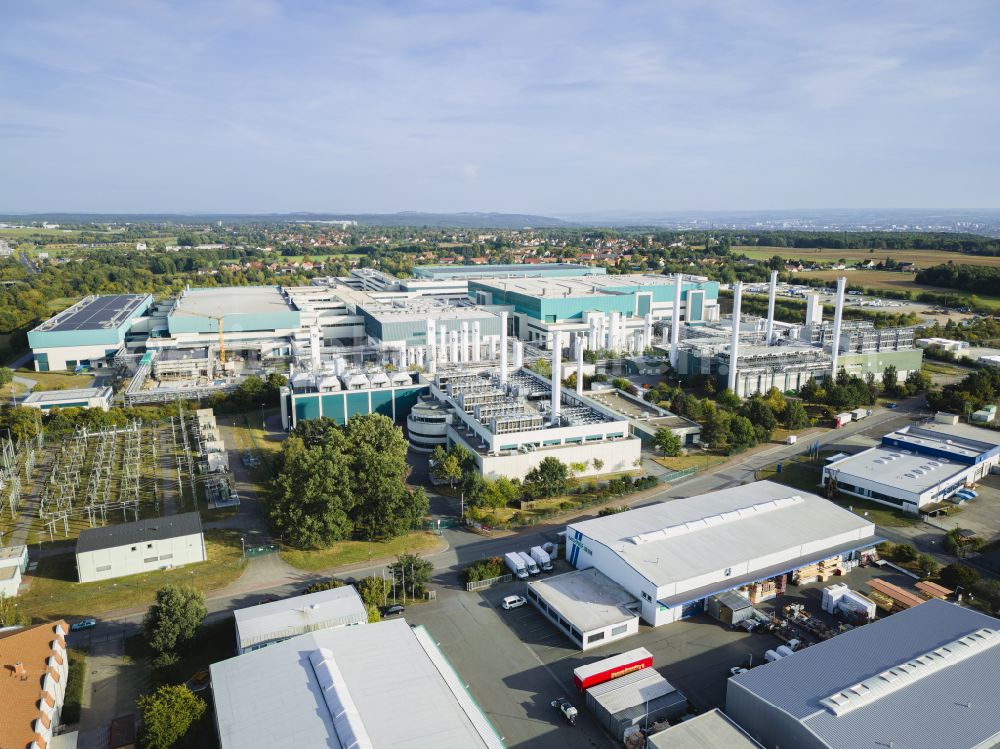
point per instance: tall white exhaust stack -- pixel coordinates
(443, 351)
(838, 312)
(503, 348)
(493, 348)
(675, 322)
(454, 347)
(464, 354)
(579, 363)
(404, 363)
(734, 344)
(315, 348)
(814, 310)
(431, 349)
(647, 330)
(518, 347)
(476, 341)
(556, 376)
(771, 292)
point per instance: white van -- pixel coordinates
(512, 602)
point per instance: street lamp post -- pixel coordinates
(243, 546)
(263, 420)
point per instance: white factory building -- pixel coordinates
(752, 355)
(512, 420)
(674, 555)
(381, 685)
(268, 623)
(143, 546)
(918, 466)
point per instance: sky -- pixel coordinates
(552, 108)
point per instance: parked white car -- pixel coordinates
(512, 602)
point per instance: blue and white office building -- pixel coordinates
(918, 465)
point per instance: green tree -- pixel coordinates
(598, 464)
(410, 574)
(448, 469)
(743, 432)
(890, 377)
(168, 714)
(373, 591)
(10, 615)
(318, 587)
(174, 618)
(547, 479)
(667, 442)
(6, 376)
(761, 417)
(385, 507)
(796, 416)
(717, 430)
(905, 553)
(312, 502)
(21, 421)
(957, 576)
(728, 399)
(928, 565)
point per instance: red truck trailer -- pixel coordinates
(607, 669)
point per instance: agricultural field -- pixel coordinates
(892, 281)
(922, 258)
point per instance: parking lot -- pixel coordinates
(982, 514)
(530, 662)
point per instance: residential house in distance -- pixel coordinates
(268, 623)
(142, 546)
(33, 686)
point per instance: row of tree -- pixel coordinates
(979, 279)
(972, 392)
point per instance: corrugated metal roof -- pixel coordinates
(626, 692)
(676, 541)
(711, 730)
(957, 706)
(402, 688)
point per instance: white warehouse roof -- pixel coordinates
(299, 614)
(763, 523)
(897, 469)
(380, 685)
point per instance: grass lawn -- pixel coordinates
(12, 389)
(701, 461)
(74, 685)
(351, 552)
(56, 380)
(805, 477)
(54, 592)
(943, 368)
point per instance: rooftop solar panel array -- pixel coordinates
(95, 313)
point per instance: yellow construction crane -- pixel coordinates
(219, 321)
